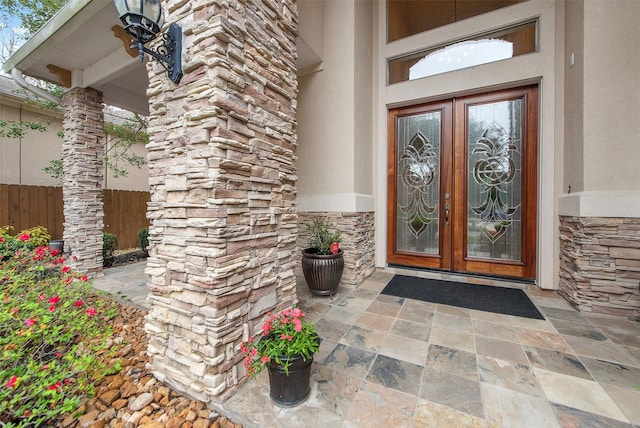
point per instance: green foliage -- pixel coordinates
(54, 169)
(285, 334)
(143, 238)
(120, 154)
(124, 137)
(321, 236)
(27, 239)
(18, 128)
(52, 325)
(33, 14)
(109, 247)
(38, 236)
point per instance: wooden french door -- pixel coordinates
(462, 184)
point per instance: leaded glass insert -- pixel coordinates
(494, 180)
(418, 182)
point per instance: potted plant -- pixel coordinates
(323, 261)
(286, 348)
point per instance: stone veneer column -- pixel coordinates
(222, 177)
(358, 242)
(83, 154)
(600, 264)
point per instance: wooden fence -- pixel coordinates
(27, 206)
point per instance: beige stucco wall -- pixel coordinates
(574, 100)
(22, 160)
(335, 102)
(604, 176)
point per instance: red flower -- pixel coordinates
(66, 269)
(265, 359)
(24, 237)
(55, 386)
(1, 239)
(84, 278)
(79, 303)
(52, 308)
(91, 312)
(335, 248)
(54, 300)
(55, 252)
(12, 382)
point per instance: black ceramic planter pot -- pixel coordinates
(293, 389)
(57, 244)
(322, 272)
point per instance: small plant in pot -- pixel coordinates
(323, 261)
(286, 348)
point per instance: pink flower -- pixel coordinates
(335, 248)
(54, 300)
(265, 359)
(91, 312)
(12, 382)
(29, 322)
(24, 237)
(298, 325)
(42, 297)
(266, 328)
(45, 366)
(79, 303)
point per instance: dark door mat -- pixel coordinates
(501, 300)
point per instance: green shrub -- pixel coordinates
(321, 237)
(143, 238)
(109, 247)
(39, 236)
(27, 239)
(53, 326)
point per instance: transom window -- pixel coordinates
(483, 49)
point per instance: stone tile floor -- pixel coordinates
(392, 362)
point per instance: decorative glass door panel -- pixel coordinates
(462, 184)
(494, 180)
(418, 183)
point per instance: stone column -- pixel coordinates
(83, 154)
(222, 177)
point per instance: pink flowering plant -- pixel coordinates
(284, 335)
(53, 328)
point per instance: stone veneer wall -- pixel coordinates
(600, 264)
(358, 242)
(222, 176)
(83, 154)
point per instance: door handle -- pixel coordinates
(446, 214)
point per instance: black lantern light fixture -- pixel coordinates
(143, 20)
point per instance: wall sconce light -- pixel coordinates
(143, 20)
